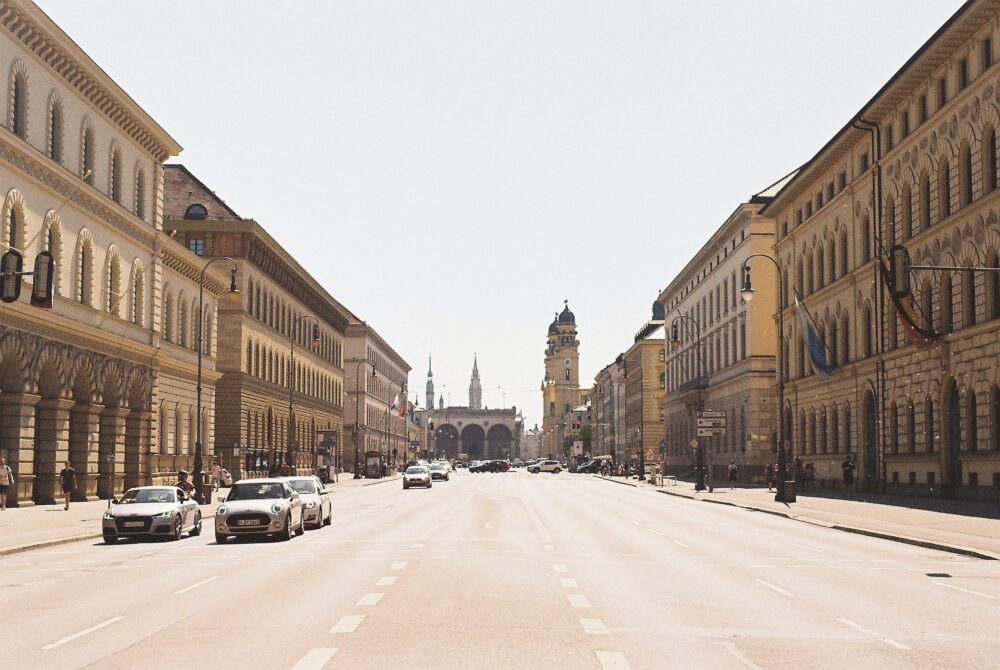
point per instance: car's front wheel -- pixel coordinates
(557, 471)
(286, 532)
(178, 530)
(302, 525)
(196, 531)
(220, 538)
(110, 539)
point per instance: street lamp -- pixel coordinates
(313, 343)
(747, 293)
(357, 414)
(234, 294)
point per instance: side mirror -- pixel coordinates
(114, 501)
(221, 499)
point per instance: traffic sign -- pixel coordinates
(711, 423)
(711, 414)
(711, 432)
(694, 444)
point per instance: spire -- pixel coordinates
(429, 393)
(475, 388)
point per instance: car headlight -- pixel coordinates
(311, 505)
(109, 516)
(276, 508)
(222, 511)
(163, 515)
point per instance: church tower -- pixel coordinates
(475, 389)
(561, 387)
(429, 395)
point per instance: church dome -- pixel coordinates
(554, 326)
(567, 316)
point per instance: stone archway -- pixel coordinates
(84, 425)
(446, 441)
(499, 441)
(51, 433)
(473, 441)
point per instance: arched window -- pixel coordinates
(113, 285)
(971, 422)
(182, 321)
(820, 266)
(944, 190)
(890, 222)
(989, 160)
(906, 216)
(52, 242)
(925, 201)
(845, 340)
(911, 428)
(115, 175)
(843, 253)
(992, 285)
(140, 193)
(18, 121)
(821, 446)
(87, 154)
(138, 296)
(893, 428)
(927, 305)
(833, 343)
(968, 298)
(929, 445)
(168, 317)
(249, 368)
(965, 175)
(866, 239)
(847, 428)
(835, 430)
(14, 226)
(84, 272)
(810, 285)
(866, 333)
(944, 301)
(196, 211)
(55, 137)
(832, 259)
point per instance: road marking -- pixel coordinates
(577, 600)
(549, 547)
(890, 642)
(612, 660)
(594, 626)
(568, 582)
(369, 599)
(316, 659)
(398, 565)
(194, 586)
(560, 567)
(655, 532)
(959, 588)
(348, 624)
(681, 544)
(776, 588)
(86, 631)
(386, 581)
(636, 522)
(417, 545)
(621, 515)
(740, 656)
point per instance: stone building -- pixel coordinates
(561, 386)
(722, 358)
(281, 357)
(643, 376)
(608, 408)
(916, 166)
(81, 166)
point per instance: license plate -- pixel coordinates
(133, 524)
(248, 522)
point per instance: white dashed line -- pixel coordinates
(348, 624)
(740, 656)
(636, 522)
(959, 588)
(386, 581)
(776, 588)
(612, 660)
(568, 582)
(194, 586)
(560, 567)
(369, 599)
(86, 631)
(890, 642)
(621, 515)
(594, 626)
(398, 565)
(577, 600)
(681, 544)
(655, 532)
(316, 659)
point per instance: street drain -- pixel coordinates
(938, 574)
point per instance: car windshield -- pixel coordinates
(256, 491)
(164, 495)
(303, 485)
(437, 467)
(416, 470)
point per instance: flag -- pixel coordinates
(817, 350)
(907, 314)
(395, 404)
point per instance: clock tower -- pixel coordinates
(561, 387)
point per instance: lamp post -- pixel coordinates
(675, 344)
(313, 343)
(234, 294)
(747, 292)
(357, 414)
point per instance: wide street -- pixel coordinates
(506, 570)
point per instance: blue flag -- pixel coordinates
(817, 351)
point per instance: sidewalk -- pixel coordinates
(956, 526)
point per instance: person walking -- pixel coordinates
(216, 477)
(733, 472)
(847, 467)
(68, 476)
(6, 481)
(771, 470)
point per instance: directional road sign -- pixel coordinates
(711, 414)
(711, 423)
(711, 432)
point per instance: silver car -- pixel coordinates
(259, 507)
(417, 475)
(439, 471)
(317, 508)
(151, 511)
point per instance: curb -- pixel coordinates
(904, 539)
(384, 480)
(615, 481)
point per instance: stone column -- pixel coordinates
(137, 426)
(111, 452)
(84, 436)
(51, 448)
(17, 440)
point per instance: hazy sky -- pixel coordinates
(451, 171)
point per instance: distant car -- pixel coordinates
(151, 511)
(439, 471)
(317, 508)
(554, 467)
(417, 475)
(225, 477)
(590, 467)
(268, 507)
(477, 466)
(499, 465)
(460, 464)
(518, 463)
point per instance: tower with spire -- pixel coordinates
(475, 388)
(429, 394)
(561, 385)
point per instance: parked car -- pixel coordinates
(225, 478)
(417, 475)
(499, 465)
(460, 464)
(518, 463)
(439, 471)
(317, 510)
(151, 511)
(477, 466)
(268, 507)
(546, 466)
(590, 467)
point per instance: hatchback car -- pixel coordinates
(261, 507)
(417, 475)
(151, 511)
(317, 510)
(439, 471)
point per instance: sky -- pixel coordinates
(451, 171)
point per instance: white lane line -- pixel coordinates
(315, 659)
(549, 547)
(369, 599)
(612, 660)
(621, 515)
(398, 565)
(560, 567)
(681, 544)
(890, 642)
(655, 532)
(417, 545)
(543, 533)
(386, 581)
(348, 624)
(194, 586)
(636, 522)
(594, 626)
(568, 582)
(959, 588)
(740, 656)
(776, 588)
(578, 600)
(86, 631)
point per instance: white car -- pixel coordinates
(151, 511)
(417, 475)
(554, 467)
(259, 507)
(439, 471)
(316, 505)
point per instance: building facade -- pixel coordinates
(917, 167)
(608, 403)
(644, 386)
(561, 385)
(281, 358)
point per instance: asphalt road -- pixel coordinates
(506, 571)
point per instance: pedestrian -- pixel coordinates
(68, 475)
(810, 476)
(847, 467)
(216, 476)
(6, 481)
(733, 471)
(182, 482)
(771, 470)
(708, 477)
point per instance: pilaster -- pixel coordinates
(17, 440)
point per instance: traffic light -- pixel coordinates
(41, 289)
(11, 271)
(11, 264)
